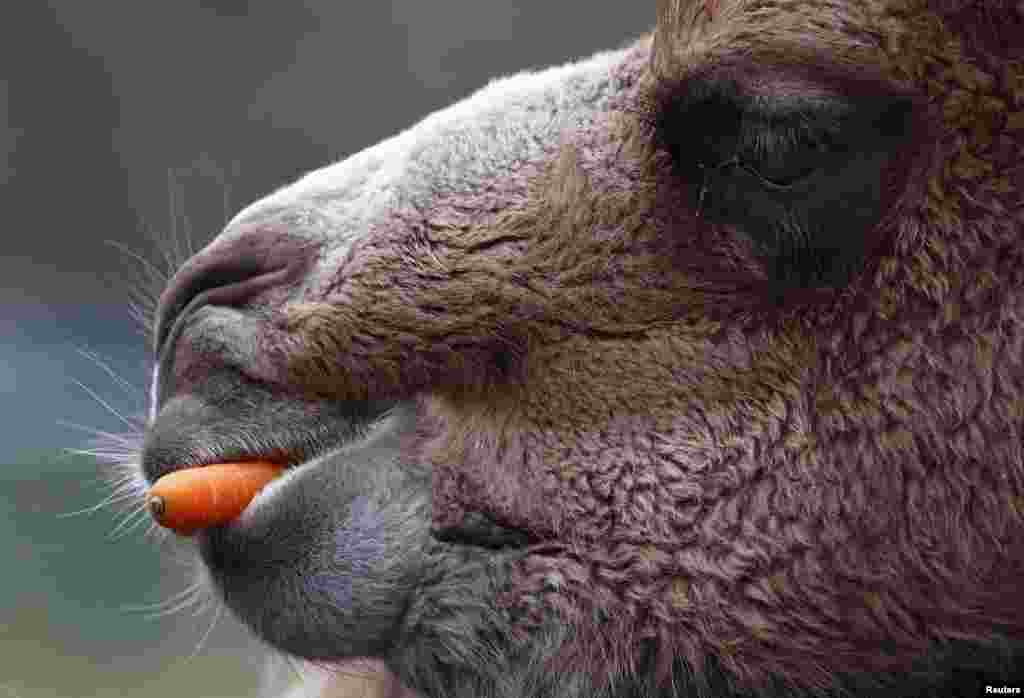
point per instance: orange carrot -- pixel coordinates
(187, 500)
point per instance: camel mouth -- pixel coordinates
(229, 478)
(238, 488)
(192, 433)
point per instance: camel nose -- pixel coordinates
(230, 272)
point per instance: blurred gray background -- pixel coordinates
(130, 123)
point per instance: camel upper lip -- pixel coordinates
(189, 433)
(289, 455)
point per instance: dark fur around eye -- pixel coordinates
(802, 176)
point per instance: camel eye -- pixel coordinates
(777, 174)
(801, 177)
(784, 151)
(776, 153)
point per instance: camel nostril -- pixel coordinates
(229, 273)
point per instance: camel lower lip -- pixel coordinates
(272, 490)
(269, 490)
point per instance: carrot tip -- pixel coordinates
(157, 507)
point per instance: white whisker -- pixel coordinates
(125, 385)
(155, 530)
(190, 596)
(148, 265)
(111, 499)
(104, 403)
(172, 251)
(202, 640)
(143, 315)
(134, 517)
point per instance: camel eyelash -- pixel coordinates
(709, 123)
(798, 174)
